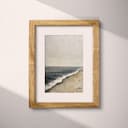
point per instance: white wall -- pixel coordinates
(14, 21)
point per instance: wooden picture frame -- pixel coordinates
(33, 24)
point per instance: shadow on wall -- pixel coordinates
(15, 113)
(113, 13)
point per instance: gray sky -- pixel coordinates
(63, 50)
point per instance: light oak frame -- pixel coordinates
(32, 62)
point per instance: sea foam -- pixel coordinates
(59, 80)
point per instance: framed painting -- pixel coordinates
(63, 63)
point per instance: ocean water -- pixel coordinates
(56, 75)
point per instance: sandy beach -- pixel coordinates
(73, 83)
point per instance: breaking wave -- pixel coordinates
(60, 79)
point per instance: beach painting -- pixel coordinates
(63, 63)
